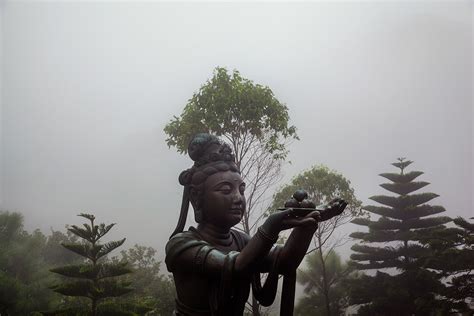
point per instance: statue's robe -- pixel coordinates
(201, 292)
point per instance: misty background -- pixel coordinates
(87, 88)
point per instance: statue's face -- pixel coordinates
(223, 199)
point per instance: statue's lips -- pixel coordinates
(236, 210)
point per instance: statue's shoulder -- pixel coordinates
(189, 238)
(180, 243)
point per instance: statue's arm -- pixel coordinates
(295, 248)
(185, 252)
(291, 253)
(188, 254)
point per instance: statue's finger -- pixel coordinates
(315, 214)
(295, 222)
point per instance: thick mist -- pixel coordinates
(87, 88)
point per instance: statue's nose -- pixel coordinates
(237, 198)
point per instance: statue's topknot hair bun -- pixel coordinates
(202, 152)
(198, 145)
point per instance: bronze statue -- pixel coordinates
(214, 265)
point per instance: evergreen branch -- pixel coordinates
(83, 271)
(384, 236)
(111, 288)
(84, 250)
(105, 229)
(109, 247)
(376, 264)
(461, 222)
(84, 288)
(416, 223)
(88, 271)
(404, 188)
(402, 178)
(404, 201)
(113, 270)
(88, 216)
(402, 164)
(82, 233)
(406, 213)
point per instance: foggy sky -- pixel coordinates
(87, 89)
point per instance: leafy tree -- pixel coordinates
(252, 120)
(55, 254)
(94, 279)
(23, 273)
(322, 185)
(324, 286)
(153, 289)
(403, 222)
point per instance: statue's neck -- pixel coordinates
(215, 235)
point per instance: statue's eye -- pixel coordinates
(226, 189)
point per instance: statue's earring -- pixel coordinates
(198, 215)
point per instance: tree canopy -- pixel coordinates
(232, 106)
(23, 273)
(324, 288)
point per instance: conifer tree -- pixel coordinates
(454, 258)
(94, 278)
(410, 288)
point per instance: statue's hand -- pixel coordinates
(333, 208)
(283, 220)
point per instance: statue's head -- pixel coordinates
(216, 189)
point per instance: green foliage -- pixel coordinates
(55, 254)
(233, 106)
(153, 290)
(322, 185)
(85, 271)
(403, 201)
(409, 212)
(403, 224)
(23, 274)
(330, 273)
(454, 258)
(26, 258)
(409, 293)
(93, 278)
(95, 290)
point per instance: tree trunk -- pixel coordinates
(325, 281)
(94, 307)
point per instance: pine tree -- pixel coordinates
(454, 258)
(94, 279)
(410, 288)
